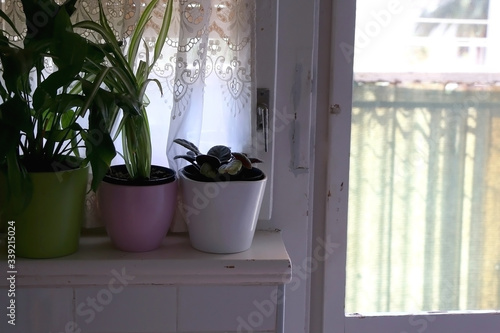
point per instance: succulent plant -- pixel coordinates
(218, 162)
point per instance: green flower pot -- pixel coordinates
(49, 226)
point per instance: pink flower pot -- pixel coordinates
(137, 216)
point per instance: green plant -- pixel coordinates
(42, 112)
(130, 78)
(219, 163)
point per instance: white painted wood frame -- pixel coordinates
(331, 197)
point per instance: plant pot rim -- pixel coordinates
(171, 177)
(185, 174)
(59, 164)
(86, 166)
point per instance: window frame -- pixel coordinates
(334, 103)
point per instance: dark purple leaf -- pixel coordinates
(188, 158)
(223, 153)
(188, 145)
(212, 160)
(255, 160)
(243, 159)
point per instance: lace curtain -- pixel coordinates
(213, 81)
(206, 69)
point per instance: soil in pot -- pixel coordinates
(252, 174)
(118, 174)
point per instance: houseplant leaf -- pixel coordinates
(245, 161)
(208, 170)
(188, 145)
(232, 168)
(188, 158)
(100, 153)
(213, 161)
(223, 153)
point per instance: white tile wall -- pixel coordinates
(133, 309)
(142, 309)
(226, 308)
(38, 310)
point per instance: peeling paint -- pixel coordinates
(357, 315)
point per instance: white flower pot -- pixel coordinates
(221, 216)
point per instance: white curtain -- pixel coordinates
(207, 69)
(207, 72)
(213, 80)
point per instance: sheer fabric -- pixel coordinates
(206, 71)
(207, 68)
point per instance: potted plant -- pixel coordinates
(221, 198)
(43, 176)
(136, 200)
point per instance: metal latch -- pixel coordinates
(263, 114)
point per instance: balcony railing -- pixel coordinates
(424, 193)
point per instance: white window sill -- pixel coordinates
(175, 263)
